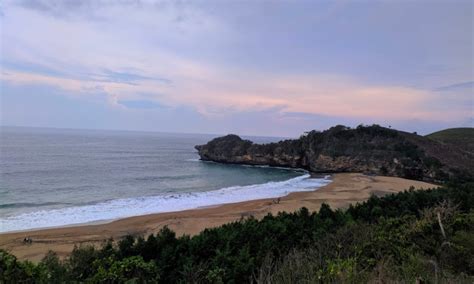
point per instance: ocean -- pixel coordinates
(58, 177)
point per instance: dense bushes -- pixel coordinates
(397, 237)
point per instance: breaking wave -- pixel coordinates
(127, 207)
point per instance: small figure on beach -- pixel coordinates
(27, 240)
(277, 201)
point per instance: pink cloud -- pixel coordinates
(210, 93)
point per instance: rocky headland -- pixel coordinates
(365, 149)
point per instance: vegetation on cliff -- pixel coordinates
(414, 235)
(367, 149)
(461, 138)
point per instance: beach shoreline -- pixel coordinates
(345, 189)
(171, 201)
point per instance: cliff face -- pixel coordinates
(368, 149)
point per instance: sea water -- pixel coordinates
(58, 177)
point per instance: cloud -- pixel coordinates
(127, 77)
(333, 95)
(88, 9)
(214, 94)
(463, 86)
(140, 104)
(46, 106)
(226, 62)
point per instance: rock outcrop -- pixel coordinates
(367, 149)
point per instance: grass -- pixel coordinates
(462, 138)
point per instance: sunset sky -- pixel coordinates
(270, 68)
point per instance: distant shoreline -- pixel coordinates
(346, 188)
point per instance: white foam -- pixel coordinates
(275, 167)
(121, 208)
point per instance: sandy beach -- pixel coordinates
(346, 188)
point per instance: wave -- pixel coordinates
(127, 207)
(299, 170)
(163, 178)
(26, 204)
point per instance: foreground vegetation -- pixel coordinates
(407, 237)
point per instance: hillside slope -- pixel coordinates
(462, 138)
(368, 149)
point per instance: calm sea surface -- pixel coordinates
(56, 177)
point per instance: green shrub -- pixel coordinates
(131, 269)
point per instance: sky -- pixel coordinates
(266, 68)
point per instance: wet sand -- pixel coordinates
(346, 188)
